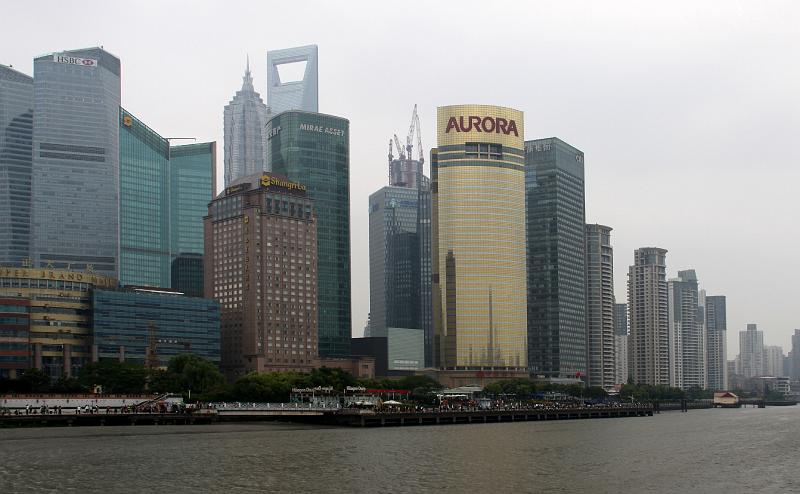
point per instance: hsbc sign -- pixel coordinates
(85, 62)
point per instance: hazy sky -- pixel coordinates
(687, 111)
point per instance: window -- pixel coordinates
(483, 150)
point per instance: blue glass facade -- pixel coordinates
(75, 180)
(125, 320)
(16, 135)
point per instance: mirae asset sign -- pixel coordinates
(85, 62)
(322, 130)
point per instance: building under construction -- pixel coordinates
(400, 247)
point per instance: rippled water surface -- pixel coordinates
(747, 450)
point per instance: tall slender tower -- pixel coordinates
(751, 352)
(648, 301)
(600, 349)
(245, 118)
(75, 186)
(716, 343)
(687, 332)
(478, 191)
(16, 159)
(554, 201)
(621, 343)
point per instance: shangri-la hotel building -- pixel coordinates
(260, 264)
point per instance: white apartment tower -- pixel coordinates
(648, 341)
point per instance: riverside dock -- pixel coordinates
(326, 416)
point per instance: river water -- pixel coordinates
(745, 450)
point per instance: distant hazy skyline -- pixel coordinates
(687, 111)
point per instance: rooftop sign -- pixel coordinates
(67, 59)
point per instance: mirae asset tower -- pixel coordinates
(478, 215)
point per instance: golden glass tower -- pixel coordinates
(478, 196)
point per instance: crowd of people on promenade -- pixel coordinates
(483, 405)
(147, 408)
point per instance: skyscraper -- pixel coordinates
(478, 252)
(192, 185)
(686, 332)
(75, 183)
(554, 201)
(621, 343)
(600, 347)
(261, 265)
(314, 149)
(796, 354)
(16, 159)
(245, 119)
(394, 260)
(751, 352)
(648, 301)
(164, 194)
(716, 342)
(303, 94)
(773, 361)
(144, 182)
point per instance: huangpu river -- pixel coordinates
(730, 451)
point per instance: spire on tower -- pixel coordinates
(247, 79)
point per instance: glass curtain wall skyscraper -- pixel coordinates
(75, 191)
(478, 251)
(393, 249)
(600, 347)
(143, 204)
(314, 149)
(555, 205)
(245, 119)
(16, 161)
(192, 186)
(164, 195)
(302, 94)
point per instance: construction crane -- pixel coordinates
(413, 128)
(400, 150)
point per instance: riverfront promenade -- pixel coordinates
(302, 413)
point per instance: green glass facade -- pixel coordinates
(192, 187)
(164, 194)
(143, 204)
(313, 149)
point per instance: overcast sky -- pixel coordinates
(687, 111)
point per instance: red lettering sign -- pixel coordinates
(475, 123)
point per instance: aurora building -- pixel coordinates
(478, 238)
(313, 149)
